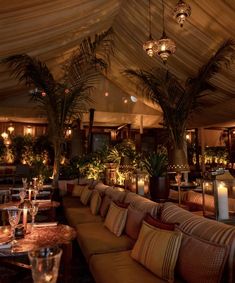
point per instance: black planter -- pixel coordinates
(159, 188)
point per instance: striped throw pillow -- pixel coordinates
(116, 219)
(95, 202)
(157, 250)
(85, 196)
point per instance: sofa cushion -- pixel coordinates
(116, 219)
(172, 213)
(95, 238)
(134, 222)
(85, 196)
(119, 267)
(80, 215)
(104, 207)
(204, 263)
(116, 193)
(95, 202)
(158, 223)
(78, 189)
(157, 250)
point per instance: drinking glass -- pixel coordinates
(14, 217)
(25, 184)
(22, 195)
(35, 192)
(33, 212)
(45, 264)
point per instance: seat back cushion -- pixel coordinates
(77, 190)
(200, 260)
(157, 250)
(95, 202)
(104, 207)
(85, 196)
(134, 222)
(116, 219)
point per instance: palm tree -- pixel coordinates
(177, 100)
(66, 99)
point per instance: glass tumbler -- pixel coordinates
(45, 264)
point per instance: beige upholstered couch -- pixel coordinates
(109, 257)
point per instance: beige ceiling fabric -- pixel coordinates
(52, 29)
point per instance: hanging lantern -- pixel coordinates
(148, 46)
(165, 47)
(181, 12)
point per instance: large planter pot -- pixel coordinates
(159, 188)
(177, 161)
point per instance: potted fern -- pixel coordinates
(155, 163)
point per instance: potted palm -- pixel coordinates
(178, 99)
(155, 163)
(64, 100)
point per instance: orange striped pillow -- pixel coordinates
(116, 219)
(157, 250)
(85, 196)
(95, 202)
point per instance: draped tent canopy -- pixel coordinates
(51, 30)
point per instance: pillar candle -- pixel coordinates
(25, 211)
(141, 187)
(30, 192)
(223, 202)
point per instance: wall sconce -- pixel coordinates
(10, 129)
(4, 135)
(28, 130)
(68, 133)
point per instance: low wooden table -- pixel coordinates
(39, 237)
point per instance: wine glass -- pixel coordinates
(33, 212)
(22, 195)
(25, 184)
(14, 217)
(35, 192)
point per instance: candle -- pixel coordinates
(223, 202)
(30, 192)
(25, 212)
(141, 186)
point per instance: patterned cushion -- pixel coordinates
(158, 223)
(85, 196)
(204, 263)
(106, 201)
(95, 202)
(134, 222)
(157, 250)
(174, 214)
(77, 190)
(116, 219)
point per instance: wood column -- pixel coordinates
(91, 121)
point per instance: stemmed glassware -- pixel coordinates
(35, 192)
(22, 195)
(33, 211)
(25, 184)
(14, 217)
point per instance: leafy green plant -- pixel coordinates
(155, 163)
(64, 100)
(176, 99)
(2, 149)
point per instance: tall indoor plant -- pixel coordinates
(65, 99)
(178, 100)
(155, 163)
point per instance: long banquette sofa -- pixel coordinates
(127, 238)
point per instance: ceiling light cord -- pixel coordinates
(163, 18)
(150, 20)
